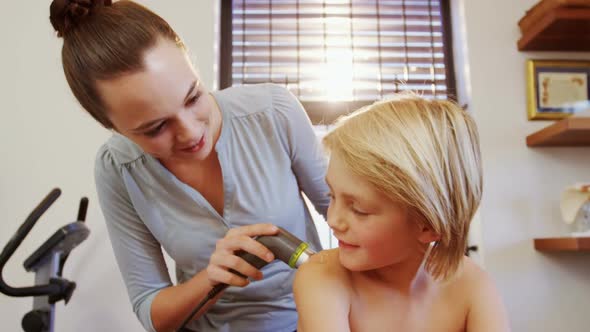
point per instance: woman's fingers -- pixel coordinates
(224, 260)
(241, 238)
(231, 262)
(253, 230)
(244, 243)
(218, 275)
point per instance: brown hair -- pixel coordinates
(102, 41)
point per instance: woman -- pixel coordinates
(197, 174)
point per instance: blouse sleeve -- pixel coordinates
(138, 253)
(309, 161)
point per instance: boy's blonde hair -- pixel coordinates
(421, 153)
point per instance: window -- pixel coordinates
(337, 55)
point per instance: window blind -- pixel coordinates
(349, 51)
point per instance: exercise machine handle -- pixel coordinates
(49, 289)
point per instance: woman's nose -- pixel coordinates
(185, 128)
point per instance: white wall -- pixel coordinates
(47, 141)
(543, 292)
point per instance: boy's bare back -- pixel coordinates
(466, 302)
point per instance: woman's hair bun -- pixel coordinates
(66, 14)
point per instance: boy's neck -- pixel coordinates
(405, 277)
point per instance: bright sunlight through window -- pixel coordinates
(345, 51)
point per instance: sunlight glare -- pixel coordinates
(337, 76)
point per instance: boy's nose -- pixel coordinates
(336, 221)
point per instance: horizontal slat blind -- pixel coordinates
(340, 50)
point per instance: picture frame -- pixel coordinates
(557, 89)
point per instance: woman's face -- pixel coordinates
(164, 108)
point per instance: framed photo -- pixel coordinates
(557, 88)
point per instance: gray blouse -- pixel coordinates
(269, 154)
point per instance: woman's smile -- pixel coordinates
(195, 147)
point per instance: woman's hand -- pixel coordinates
(224, 258)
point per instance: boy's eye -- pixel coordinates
(358, 212)
(155, 131)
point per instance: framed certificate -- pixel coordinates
(557, 89)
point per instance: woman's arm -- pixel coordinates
(322, 296)
(173, 304)
(158, 305)
(307, 156)
(138, 254)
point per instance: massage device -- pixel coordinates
(284, 245)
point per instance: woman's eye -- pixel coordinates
(193, 100)
(155, 131)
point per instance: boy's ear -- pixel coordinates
(424, 233)
(427, 235)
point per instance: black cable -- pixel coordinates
(285, 246)
(248, 257)
(212, 293)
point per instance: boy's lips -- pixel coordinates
(346, 245)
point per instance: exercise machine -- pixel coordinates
(47, 263)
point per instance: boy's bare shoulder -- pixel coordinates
(485, 308)
(472, 272)
(323, 266)
(471, 278)
(322, 293)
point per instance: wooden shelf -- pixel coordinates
(563, 244)
(559, 29)
(571, 131)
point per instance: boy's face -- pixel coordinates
(372, 231)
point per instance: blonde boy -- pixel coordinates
(405, 181)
